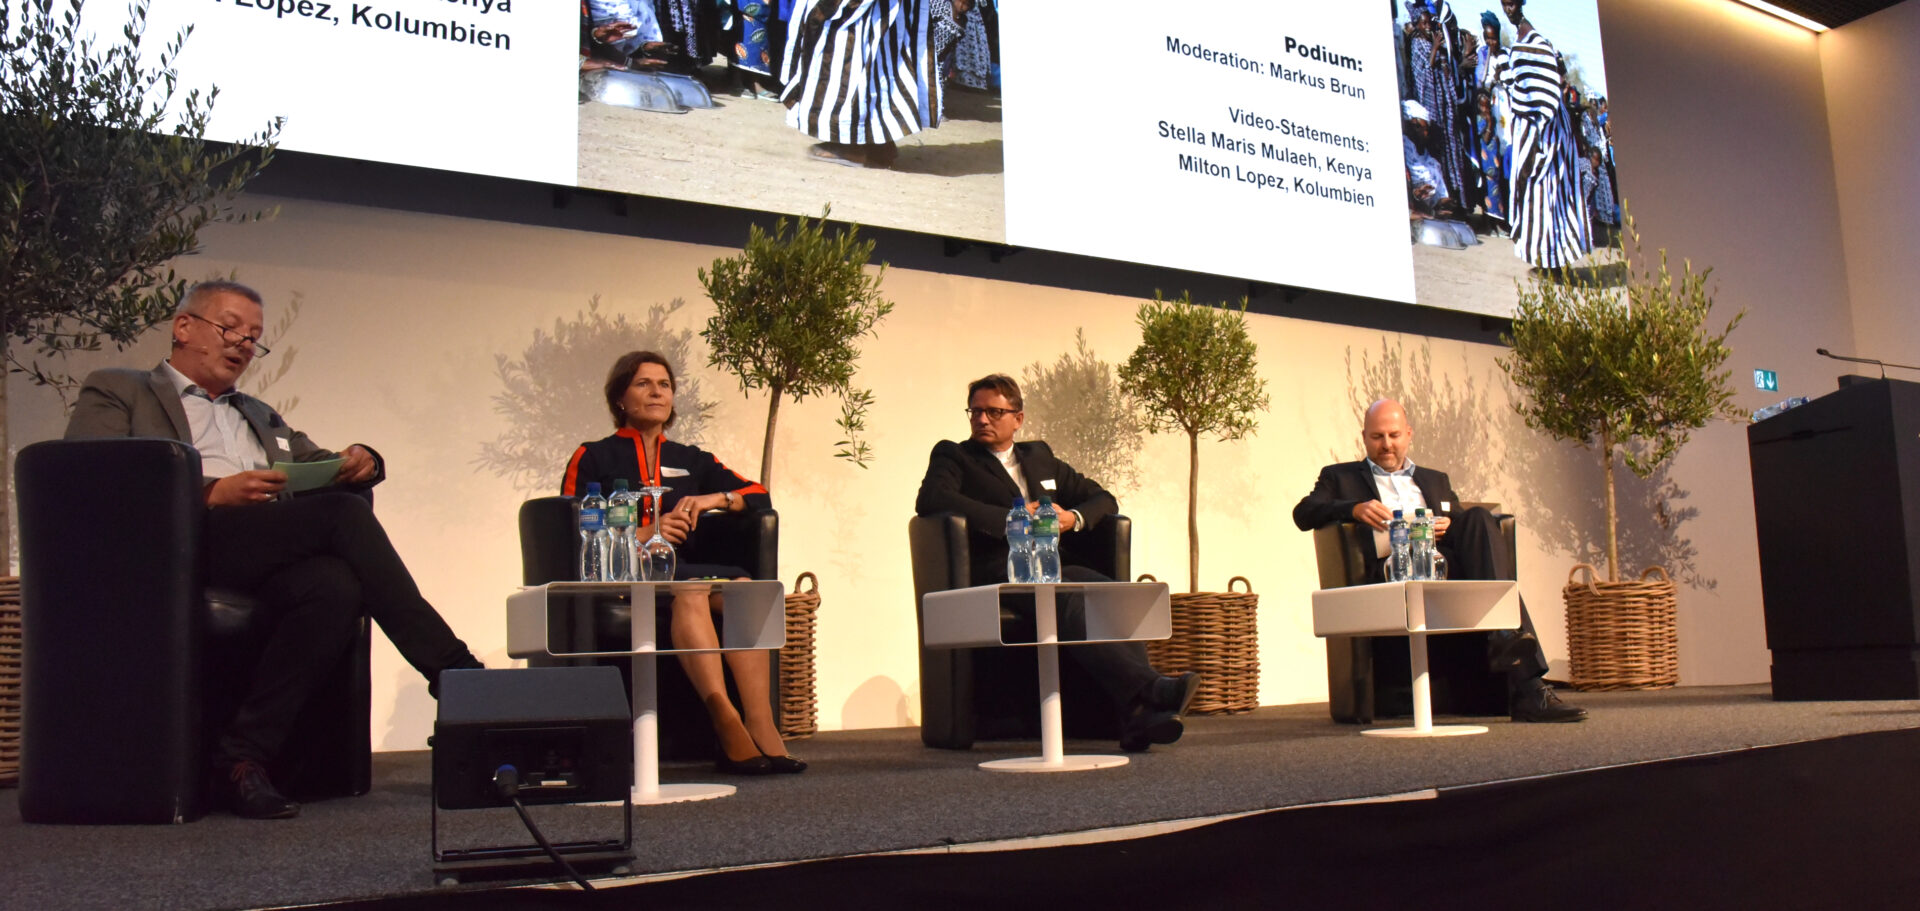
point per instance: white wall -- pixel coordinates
(1875, 114)
(1721, 120)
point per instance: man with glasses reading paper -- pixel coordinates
(978, 478)
(317, 563)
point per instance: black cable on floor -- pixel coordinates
(506, 779)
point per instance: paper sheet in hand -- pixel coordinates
(304, 476)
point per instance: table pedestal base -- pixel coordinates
(682, 793)
(1438, 730)
(1074, 763)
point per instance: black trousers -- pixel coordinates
(1475, 549)
(316, 564)
(1121, 668)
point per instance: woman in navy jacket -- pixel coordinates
(639, 393)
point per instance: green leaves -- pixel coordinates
(97, 192)
(789, 312)
(1194, 370)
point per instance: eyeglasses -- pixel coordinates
(233, 337)
(991, 414)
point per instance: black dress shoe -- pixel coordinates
(1174, 694)
(1148, 727)
(755, 765)
(787, 765)
(1537, 702)
(251, 795)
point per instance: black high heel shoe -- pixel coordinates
(756, 765)
(785, 765)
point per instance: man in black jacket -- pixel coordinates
(1368, 491)
(978, 478)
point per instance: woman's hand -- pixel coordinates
(674, 526)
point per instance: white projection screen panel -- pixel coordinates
(1424, 152)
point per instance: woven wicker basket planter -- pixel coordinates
(1214, 634)
(9, 680)
(1623, 635)
(799, 718)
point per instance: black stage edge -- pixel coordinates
(1819, 824)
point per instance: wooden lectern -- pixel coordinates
(1836, 502)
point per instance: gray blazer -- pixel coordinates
(126, 402)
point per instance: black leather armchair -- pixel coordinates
(969, 694)
(550, 552)
(130, 663)
(1370, 677)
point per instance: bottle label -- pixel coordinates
(620, 516)
(592, 520)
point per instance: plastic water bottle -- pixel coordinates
(622, 513)
(1046, 542)
(1420, 544)
(1019, 543)
(1399, 558)
(595, 540)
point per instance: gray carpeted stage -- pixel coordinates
(881, 791)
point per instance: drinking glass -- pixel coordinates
(656, 555)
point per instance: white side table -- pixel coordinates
(1417, 610)
(1115, 612)
(540, 618)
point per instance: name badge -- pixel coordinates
(1446, 506)
(284, 440)
(671, 472)
(1046, 484)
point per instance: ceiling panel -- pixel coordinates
(1835, 13)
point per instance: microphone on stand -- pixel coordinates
(1883, 365)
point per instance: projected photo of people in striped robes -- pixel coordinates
(861, 75)
(1548, 212)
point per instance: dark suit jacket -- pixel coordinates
(965, 478)
(1342, 487)
(125, 402)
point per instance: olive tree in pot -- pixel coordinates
(1195, 373)
(789, 313)
(1628, 368)
(105, 177)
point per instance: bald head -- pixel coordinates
(1387, 434)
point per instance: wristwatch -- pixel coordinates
(730, 498)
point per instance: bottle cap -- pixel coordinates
(1396, 513)
(593, 488)
(1046, 500)
(619, 483)
(1420, 512)
(1019, 502)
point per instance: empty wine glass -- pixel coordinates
(655, 556)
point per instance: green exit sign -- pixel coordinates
(1766, 380)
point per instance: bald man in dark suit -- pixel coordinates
(1368, 491)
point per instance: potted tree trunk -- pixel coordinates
(1194, 372)
(1629, 369)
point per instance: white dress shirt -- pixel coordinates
(220, 432)
(1397, 491)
